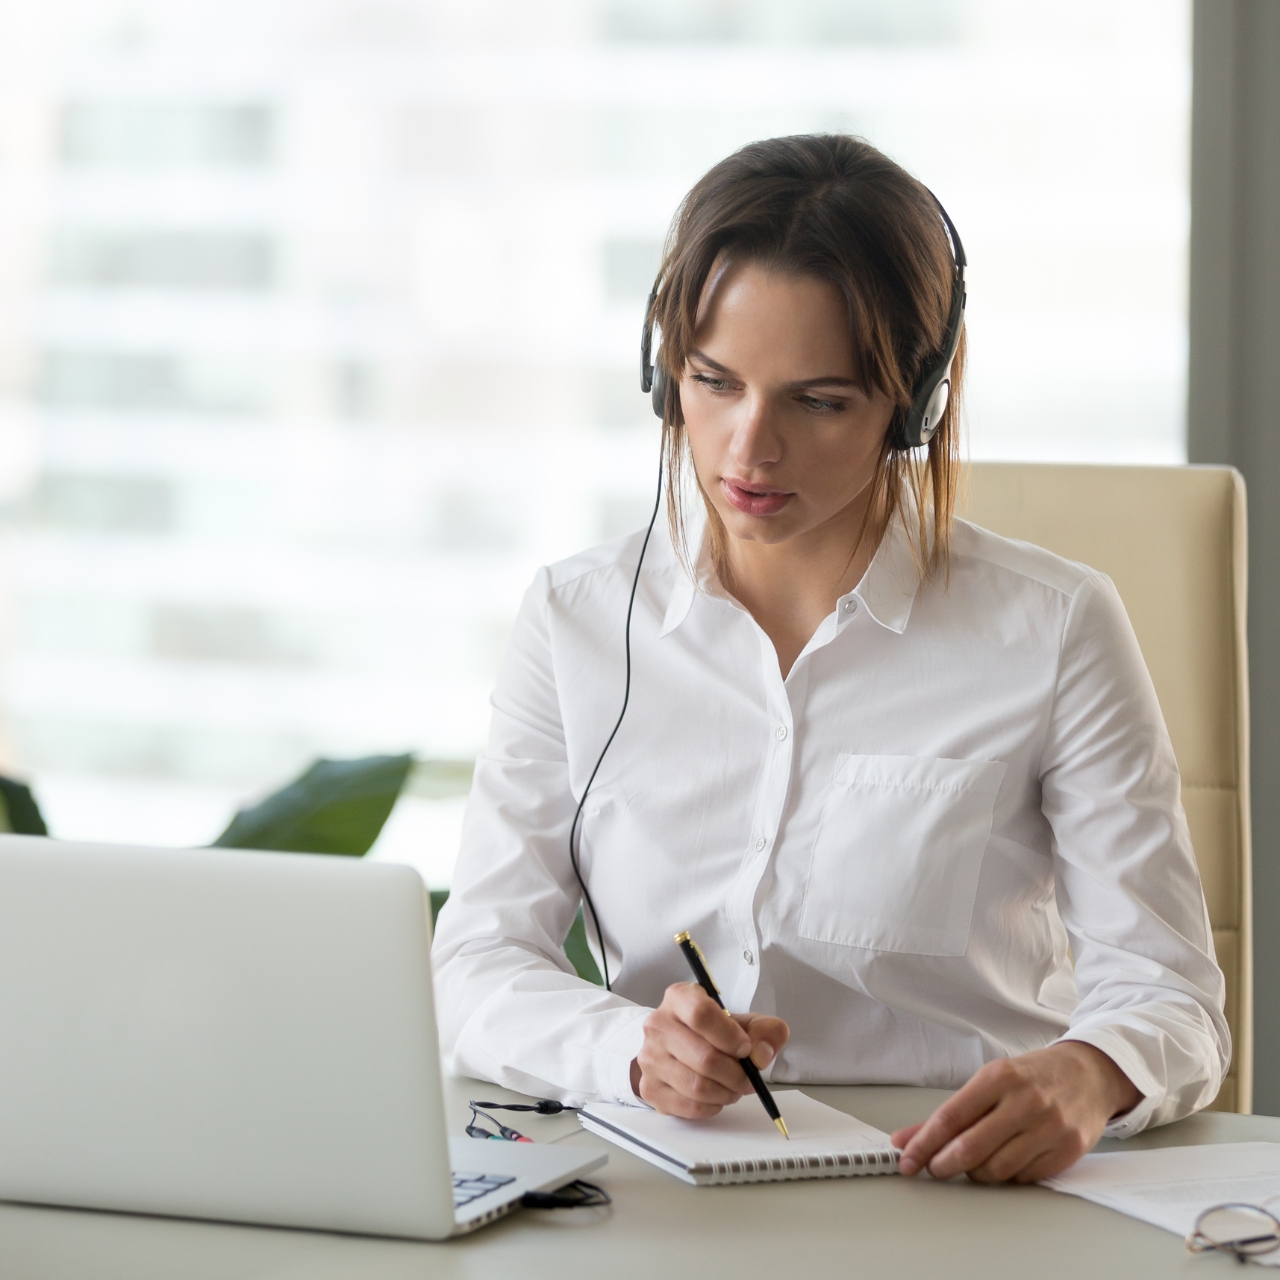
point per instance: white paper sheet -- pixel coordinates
(1170, 1186)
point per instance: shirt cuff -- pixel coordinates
(613, 1061)
(1111, 1041)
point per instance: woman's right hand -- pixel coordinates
(688, 1064)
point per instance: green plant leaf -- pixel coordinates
(438, 898)
(19, 810)
(336, 806)
(579, 953)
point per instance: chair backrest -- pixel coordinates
(1172, 539)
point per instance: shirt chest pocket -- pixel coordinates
(896, 859)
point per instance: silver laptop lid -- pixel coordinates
(247, 1036)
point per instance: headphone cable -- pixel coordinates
(626, 697)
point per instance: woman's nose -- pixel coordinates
(755, 441)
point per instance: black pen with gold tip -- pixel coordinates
(698, 963)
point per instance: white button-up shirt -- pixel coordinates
(961, 787)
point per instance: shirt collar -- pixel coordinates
(686, 585)
(887, 590)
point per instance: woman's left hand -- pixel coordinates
(1021, 1119)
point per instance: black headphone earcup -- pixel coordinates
(658, 394)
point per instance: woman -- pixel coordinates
(906, 782)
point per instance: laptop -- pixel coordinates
(240, 1036)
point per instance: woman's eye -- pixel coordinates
(821, 406)
(712, 384)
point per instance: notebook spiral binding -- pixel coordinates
(789, 1168)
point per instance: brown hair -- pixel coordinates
(833, 207)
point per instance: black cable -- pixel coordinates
(626, 697)
(575, 1195)
(544, 1106)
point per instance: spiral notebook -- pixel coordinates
(742, 1145)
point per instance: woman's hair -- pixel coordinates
(832, 207)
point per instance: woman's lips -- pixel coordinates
(755, 499)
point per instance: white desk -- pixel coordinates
(658, 1226)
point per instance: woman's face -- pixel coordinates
(784, 441)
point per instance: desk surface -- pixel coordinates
(869, 1227)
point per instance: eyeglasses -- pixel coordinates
(1242, 1230)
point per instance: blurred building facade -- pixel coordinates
(319, 329)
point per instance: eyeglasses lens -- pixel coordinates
(1239, 1229)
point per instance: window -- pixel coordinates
(163, 134)
(96, 258)
(630, 267)
(150, 382)
(801, 21)
(104, 504)
(306, 366)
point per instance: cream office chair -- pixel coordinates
(1172, 539)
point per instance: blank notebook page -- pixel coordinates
(743, 1131)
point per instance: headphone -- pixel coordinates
(929, 399)
(930, 394)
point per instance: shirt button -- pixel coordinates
(760, 844)
(851, 606)
(780, 732)
(748, 957)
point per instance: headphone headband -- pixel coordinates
(933, 387)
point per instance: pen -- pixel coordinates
(698, 963)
